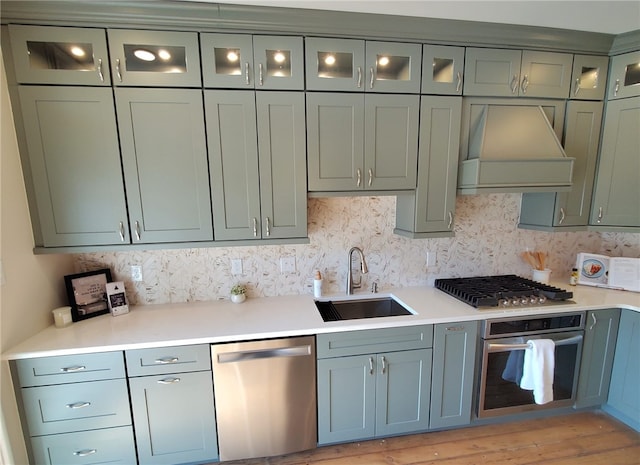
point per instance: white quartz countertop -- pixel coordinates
(270, 317)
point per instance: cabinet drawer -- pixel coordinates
(70, 369)
(374, 340)
(112, 446)
(76, 407)
(144, 362)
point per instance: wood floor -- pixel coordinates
(590, 438)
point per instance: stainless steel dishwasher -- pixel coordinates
(265, 394)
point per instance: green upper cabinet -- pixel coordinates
(357, 142)
(442, 69)
(569, 210)
(258, 169)
(60, 55)
(430, 210)
(356, 65)
(154, 58)
(624, 79)
(166, 171)
(248, 62)
(74, 162)
(589, 79)
(513, 73)
(616, 193)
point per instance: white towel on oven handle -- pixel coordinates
(537, 370)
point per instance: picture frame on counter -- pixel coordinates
(87, 293)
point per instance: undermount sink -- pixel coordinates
(337, 310)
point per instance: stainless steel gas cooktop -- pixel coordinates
(503, 291)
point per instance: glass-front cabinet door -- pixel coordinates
(393, 67)
(335, 64)
(154, 58)
(442, 69)
(59, 55)
(625, 76)
(260, 62)
(589, 77)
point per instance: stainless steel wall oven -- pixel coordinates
(503, 344)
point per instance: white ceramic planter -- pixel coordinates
(238, 298)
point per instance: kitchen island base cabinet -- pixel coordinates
(598, 349)
(454, 355)
(624, 395)
(364, 394)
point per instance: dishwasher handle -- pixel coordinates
(243, 356)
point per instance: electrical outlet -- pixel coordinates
(236, 266)
(136, 273)
(431, 259)
(287, 264)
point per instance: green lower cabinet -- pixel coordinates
(112, 445)
(624, 391)
(174, 418)
(365, 396)
(454, 355)
(598, 349)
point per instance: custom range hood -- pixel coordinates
(511, 146)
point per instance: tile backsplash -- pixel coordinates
(487, 241)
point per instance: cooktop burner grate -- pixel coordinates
(504, 290)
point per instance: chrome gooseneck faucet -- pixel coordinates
(363, 267)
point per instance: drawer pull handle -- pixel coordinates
(169, 381)
(455, 328)
(166, 360)
(73, 369)
(77, 405)
(85, 452)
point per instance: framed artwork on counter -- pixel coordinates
(87, 293)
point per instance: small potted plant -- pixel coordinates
(238, 293)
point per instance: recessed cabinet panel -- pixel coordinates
(589, 77)
(60, 55)
(335, 141)
(74, 159)
(282, 162)
(545, 74)
(442, 69)
(165, 170)
(625, 76)
(233, 154)
(391, 141)
(154, 58)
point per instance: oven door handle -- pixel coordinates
(506, 347)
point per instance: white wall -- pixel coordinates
(32, 285)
